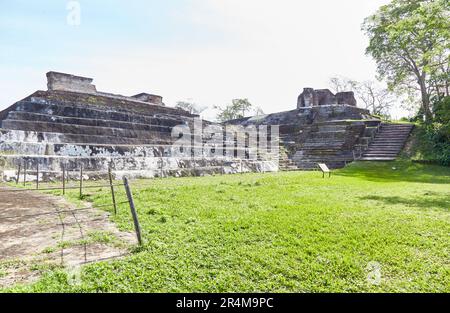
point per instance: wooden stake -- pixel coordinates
(137, 227)
(64, 178)
(112, 190)
(37, 175)
(81, 181)
(18, 173)
(24, 172)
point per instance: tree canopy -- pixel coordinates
(235, 110)
(410, 41)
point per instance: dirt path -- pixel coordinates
(39, 231)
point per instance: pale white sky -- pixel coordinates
(208, 51)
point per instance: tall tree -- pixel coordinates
(235, 110)
(410, 41)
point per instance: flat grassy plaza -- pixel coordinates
(371, 227)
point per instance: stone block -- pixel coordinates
(68, 82)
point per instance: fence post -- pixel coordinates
(37, 175)
(18, 173)
(64, 178)
(24, 172)
(81, 181)
(112, 190)
(137, 227)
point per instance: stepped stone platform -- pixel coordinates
(72, 125)
(325, 133)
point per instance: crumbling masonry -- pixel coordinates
(73, 124)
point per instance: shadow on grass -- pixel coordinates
(424, 202)
(397, 171)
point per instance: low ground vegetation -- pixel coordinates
(279, 232)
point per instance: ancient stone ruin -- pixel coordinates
(335, 134)
(310, 97)
(72, 125)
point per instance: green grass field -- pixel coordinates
(281, 232)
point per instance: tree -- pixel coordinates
(372, 96)
(235, 110)
(409, 40)
(191, 107)
(341, 84)
(375, 98)
(258, 111)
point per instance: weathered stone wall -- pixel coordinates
(327, 134)
(73, 125)
(318, 97)
(61, 128)
(67, 82)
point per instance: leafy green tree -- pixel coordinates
(235, 110)
(410, 41)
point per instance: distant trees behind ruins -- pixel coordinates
(191, 107)
(370, 94)
(237, 109)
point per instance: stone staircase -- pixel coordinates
(388, 142)
(286, 164)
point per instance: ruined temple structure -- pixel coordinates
(325, 127)
(310, 97)
(72, 125)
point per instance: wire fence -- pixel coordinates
(31, 180)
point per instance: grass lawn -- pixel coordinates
(281, 232)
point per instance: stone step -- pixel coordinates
(396, 125)
(396, 128)
(401, 130)
(383, 151)
(55, 163)
(387, 140)
(80, 129)
(52, 137)
(377, 159)
(79, 111)
(85, 150)
(380, 154)
(393, 134)
(396, 149)
(93, 122)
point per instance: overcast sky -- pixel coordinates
(206, 51)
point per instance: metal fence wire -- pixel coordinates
(23, 170)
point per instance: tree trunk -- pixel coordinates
(425, 100)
